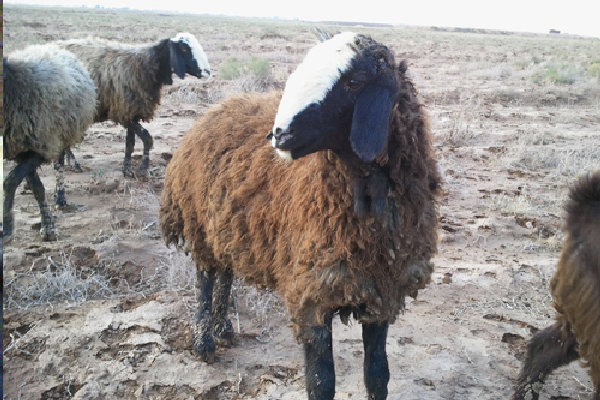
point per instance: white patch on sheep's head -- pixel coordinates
(313, 79)
(197, 50)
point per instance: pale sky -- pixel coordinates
(569, 16)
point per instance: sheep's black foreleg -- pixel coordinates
(547, 350)
(376, 371)
(11, 182)
(223, 328)
(148, 143)
(319, 367)
(204, 343)
(129, 145)
(47, 230)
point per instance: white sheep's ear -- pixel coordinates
(370, 121)
(177, 61)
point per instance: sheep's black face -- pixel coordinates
(188, 57)
(339, 98)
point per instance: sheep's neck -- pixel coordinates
(370, 187)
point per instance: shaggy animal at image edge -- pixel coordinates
(49, 102)
(348, 227)
(128, 79)
(575, 288)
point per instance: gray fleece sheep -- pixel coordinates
(49, 102)
(128, 79)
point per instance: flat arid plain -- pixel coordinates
(108, 311)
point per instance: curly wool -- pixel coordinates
(126, 77)
(292, 227)
(575, 285)
(49, 101)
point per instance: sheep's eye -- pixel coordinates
(354, 84)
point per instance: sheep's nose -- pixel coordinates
(277, 134)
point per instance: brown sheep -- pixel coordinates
(575, 288)
(348, 227)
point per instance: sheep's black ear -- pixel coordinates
(370, 121)
(177, 60)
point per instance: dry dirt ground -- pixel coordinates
(107, 311)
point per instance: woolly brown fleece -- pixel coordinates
(292, 227)
(575, 285)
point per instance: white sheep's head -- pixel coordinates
(187, 56)
(340, 98)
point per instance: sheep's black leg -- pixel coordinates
(547, 350)
(61, 199)
(204, 343)
(376, 371)
(148, 143)
(129, 145)
(318, 359)
(71, 157)
(223, 328)
(11, 182)
(47, 230)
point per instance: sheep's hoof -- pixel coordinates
(48, 234)
(224, 333)
(141, 172)
(526, 392)
(128, 173)
(61, 200)
(205, 348)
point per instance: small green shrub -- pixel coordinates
(259, 67)
(593, 70)
(232, 69)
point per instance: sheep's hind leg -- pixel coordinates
(71, 157)
(204, 343)
(47, 230)
(129, 145)
(59, 166)
(223, 333)
(148, 143)
(376, 371)
(11, 182)
(318, 360)
(547, 350)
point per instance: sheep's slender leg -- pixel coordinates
(204, 343)
(68, 154)
(11, 182)
(223, 328)
(376, 371)
(59, 167)
(148, 143)
(129, 145)
(318, 359)
(547, 350)
(47, 230)
(71, 157)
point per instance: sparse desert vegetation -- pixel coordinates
(108, 311)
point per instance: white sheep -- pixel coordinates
(49, 102)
